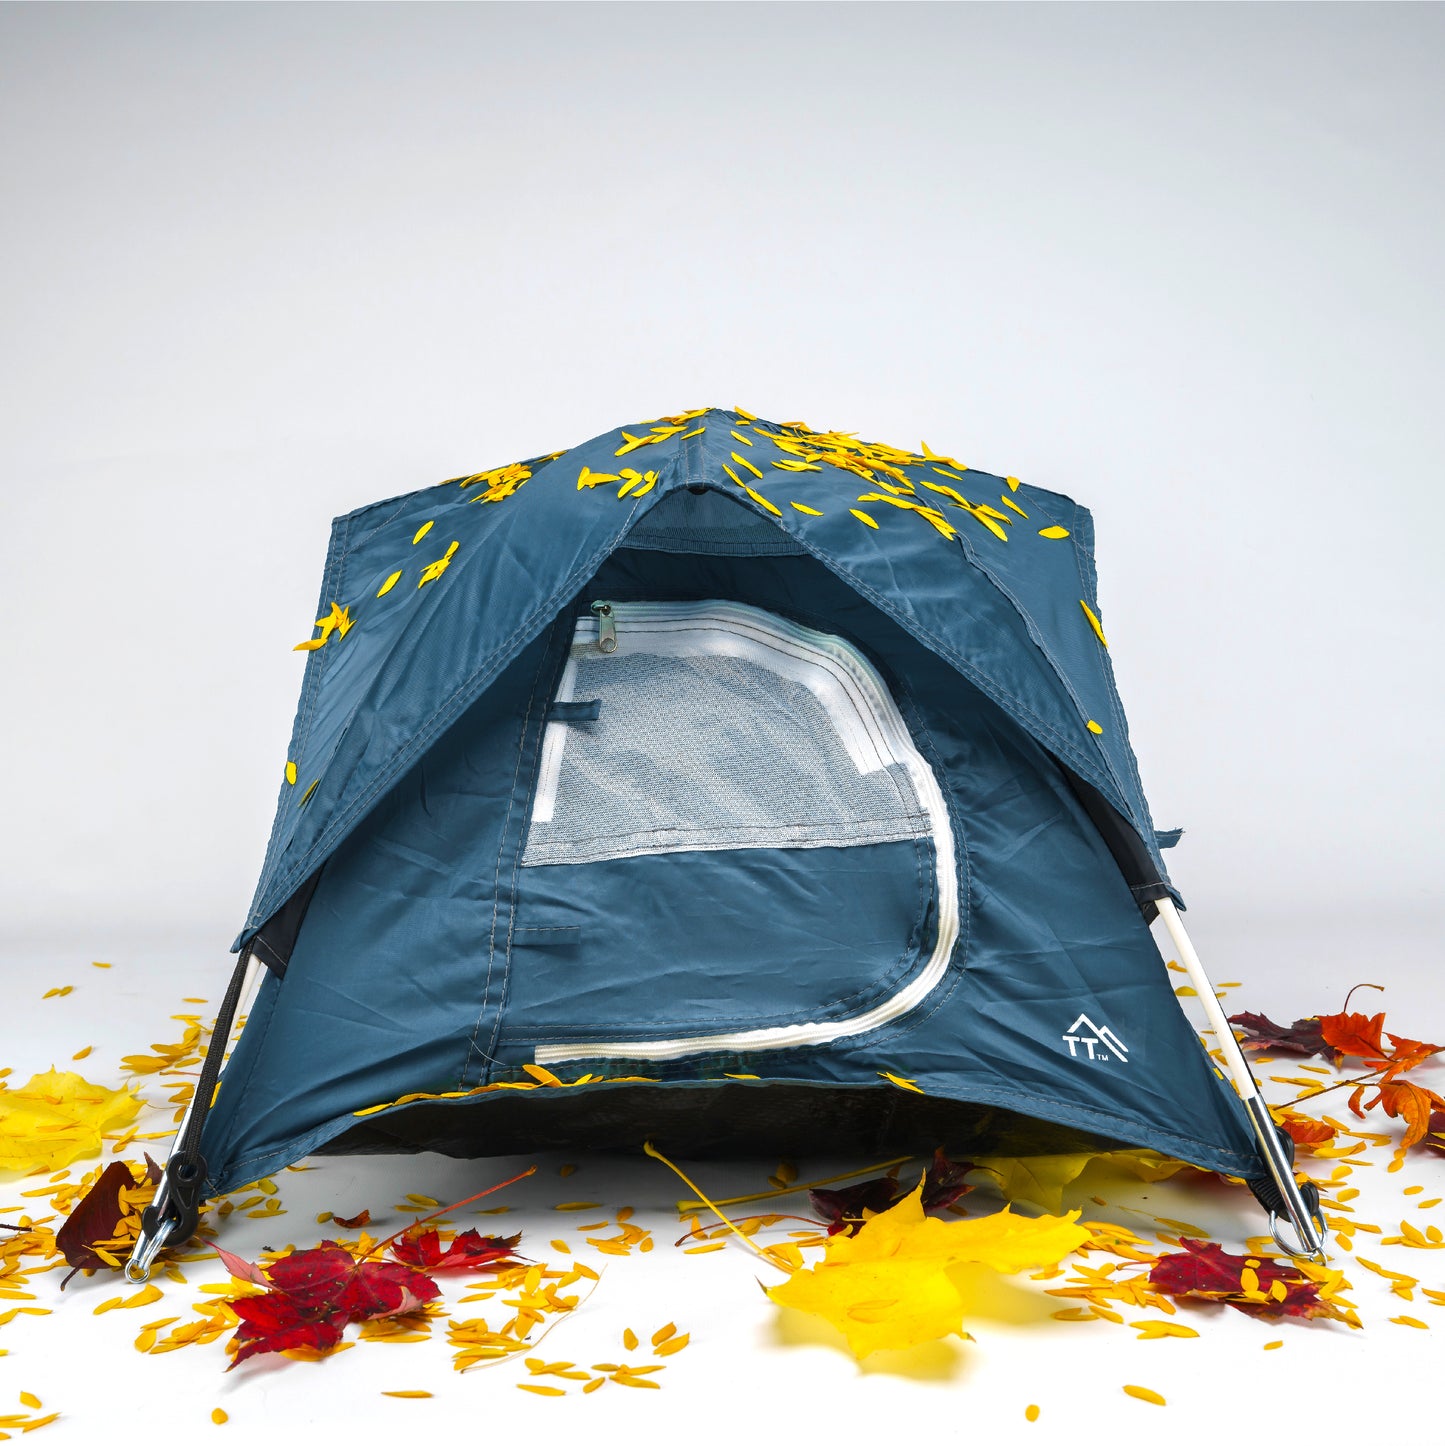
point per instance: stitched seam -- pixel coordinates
(497, 881)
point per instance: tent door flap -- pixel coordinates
(745, 833)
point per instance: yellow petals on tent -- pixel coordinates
(290, 772)
(434, 570)
(59, 1117)
(387, 586)
(1094, 622)
(421, 532)
(1056, 533)
(588, 478)
(338, 621)
(862, 517)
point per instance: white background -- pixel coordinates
(263, 264)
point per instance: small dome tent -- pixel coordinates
(724, 783)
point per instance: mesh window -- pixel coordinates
(711, 752)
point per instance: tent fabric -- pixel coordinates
(430, 973)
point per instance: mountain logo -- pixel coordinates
(1087, 1040)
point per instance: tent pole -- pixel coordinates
(1308, 1226)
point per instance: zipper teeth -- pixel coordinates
(887, 719)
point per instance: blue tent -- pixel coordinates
(726, 783)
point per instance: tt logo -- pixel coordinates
(1087, 1040)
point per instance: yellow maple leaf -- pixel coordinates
(59, 1117)
(899, 1281)
(1041, 1179)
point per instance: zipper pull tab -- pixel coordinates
(606, 627)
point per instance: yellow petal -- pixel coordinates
(421, 532)
(1013, 483)
(761, 500)
(862, 517)
(1013, 506)
(290, 772)
(1054, 532)
(1143, 1393)
(387, 586)
(809, 511)
(1094, 622)
(1094, 727)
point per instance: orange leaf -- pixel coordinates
(1354, 1034)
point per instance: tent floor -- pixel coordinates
(712, 1120)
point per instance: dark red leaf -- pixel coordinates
(1302, 1038)
(843, 1209)
(943, 1184)
(354, 1222)
(1435, 1135)
(97, 1215)
(1206, 1271)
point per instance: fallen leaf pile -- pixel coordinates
(889, 1257)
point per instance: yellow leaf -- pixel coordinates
(387, 586)
(290, 772)
(421, 532)
(59, 1117)
(1041, 1179)
(896, 1283)
(1054, 532)
(1094, 622)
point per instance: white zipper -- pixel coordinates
(871, 728)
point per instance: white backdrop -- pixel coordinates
(265, 264)
(262, 265)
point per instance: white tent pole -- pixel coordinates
(1234, 1059)
(1304, 1214)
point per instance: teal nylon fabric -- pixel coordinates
(1006, 616)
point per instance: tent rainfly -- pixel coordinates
(729, 784)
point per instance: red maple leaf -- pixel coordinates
(1253, 1284)
(1301, 1038)
(315, 1294)
(469, 1251)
